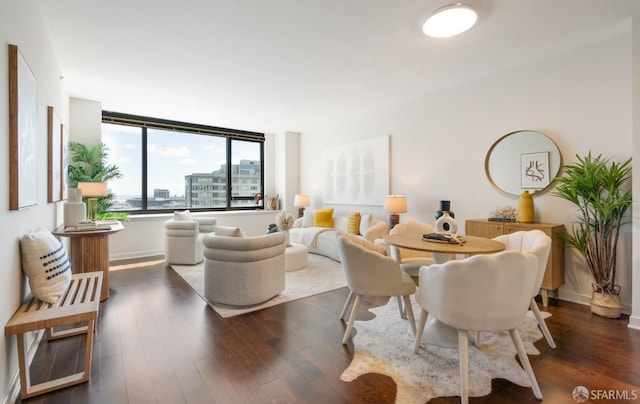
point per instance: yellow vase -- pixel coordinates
(525, 208)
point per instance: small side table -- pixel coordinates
(296, 256)
(90, 252)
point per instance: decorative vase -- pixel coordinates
(446, 223)
(75, 211)
(525, 208)
(272, 203)
(445, 206)
(287, 239)
(606, 305)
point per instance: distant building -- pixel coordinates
(210, 189)
(161, 193)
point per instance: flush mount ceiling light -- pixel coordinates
(450, 20)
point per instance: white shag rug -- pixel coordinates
(384, 345)
(321, 275)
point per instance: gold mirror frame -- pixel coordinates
(504, 162)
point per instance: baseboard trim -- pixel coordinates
(586, 300)
(634, 322)
(137, 254)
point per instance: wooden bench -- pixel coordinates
(79, 304)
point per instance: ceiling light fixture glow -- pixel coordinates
(450, 20)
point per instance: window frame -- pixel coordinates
(144, 123)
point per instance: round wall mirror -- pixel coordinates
(523, 160)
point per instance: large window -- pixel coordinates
(168, 165)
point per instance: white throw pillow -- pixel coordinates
(46, 263)
(366, 220)
(308, 218)
(228, 231)
(182, 216)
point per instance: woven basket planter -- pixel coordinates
(606, 305)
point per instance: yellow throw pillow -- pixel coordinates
(353, 223)
(324, 218)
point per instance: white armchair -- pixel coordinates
(370, 273)
(481, 293)
(243, 271)
(183, 238)
(538, 243)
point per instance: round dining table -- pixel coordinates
(442, 251)
(436, 332)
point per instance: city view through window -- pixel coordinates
(184, 170)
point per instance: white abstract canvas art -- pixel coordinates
(357, 173)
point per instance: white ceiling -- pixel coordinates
(276, 65)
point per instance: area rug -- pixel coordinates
(321, 275)
(384, 345)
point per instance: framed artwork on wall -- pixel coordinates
(54, 167)
(65, 161)
(534, 170)
(357, 173)
(23, 114)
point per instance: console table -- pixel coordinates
(90, 252)
(554, 274)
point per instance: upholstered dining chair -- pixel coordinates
(411, 260)
(370, 273)
(538, 243)
(369, 245)
(482, 293)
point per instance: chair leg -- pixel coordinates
(409, 311)
(420, 330)
(402, 312)
(463, 348)
(542, 324)
(352, 319)
(524, 359)
(347, 305)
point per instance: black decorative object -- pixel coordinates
(445, 206)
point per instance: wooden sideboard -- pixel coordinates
(554, 275)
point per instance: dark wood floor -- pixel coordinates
(158, 342)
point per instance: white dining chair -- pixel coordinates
(538, 243)
(483, 293)
(411, 260)
(370, 273)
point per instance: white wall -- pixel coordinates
(21, 24)
(634, 321)
(581, 99)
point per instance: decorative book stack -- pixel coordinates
(88, 226)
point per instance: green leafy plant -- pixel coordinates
(89, 164)
(600, 189)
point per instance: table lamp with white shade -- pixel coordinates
(395, 204)
(92, 190)
(301, 202)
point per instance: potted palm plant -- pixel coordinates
(89, 164)
(600, 189)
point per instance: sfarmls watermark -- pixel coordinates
(582, 394)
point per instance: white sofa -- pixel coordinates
(322, 240)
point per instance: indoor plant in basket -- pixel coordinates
(600, 189)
